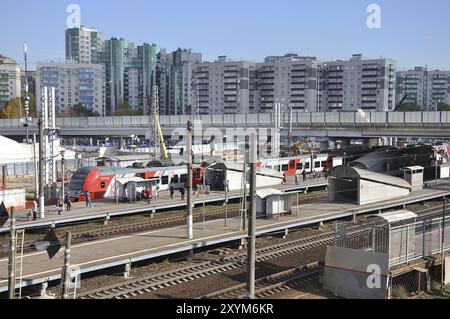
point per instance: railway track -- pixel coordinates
(155, 282)
(106, 232)
(271, 285)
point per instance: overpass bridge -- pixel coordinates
(326, 125)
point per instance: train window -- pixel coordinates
(175, 179)
(285, 168)
(308, 165)
(277, 167)
(184, 178)
(299, 166)
(165, 180)
(103, 185)
(323, 164)
(317, 165)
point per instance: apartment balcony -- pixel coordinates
(267, 77)
(337, 81)
(230, 75)
(269, 82)
(232, 80)
(335, 100)
(266, 99)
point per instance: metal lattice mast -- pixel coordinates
(155, 123)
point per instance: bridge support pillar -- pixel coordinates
(126, 273)
(105, 223)
(243, 244)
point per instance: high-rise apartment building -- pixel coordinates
(424, 88)
(83, 44)
(130, 74)
(74, 84)
(9, 80)
(368, 85)
(289, 80)
(175, 82)
(223, 87)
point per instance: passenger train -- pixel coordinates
(100, 181)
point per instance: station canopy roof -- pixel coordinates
(348, 172)
(396, 216)
(263, 193)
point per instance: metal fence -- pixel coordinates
(418, 240)
(403, 243)
(298, 119)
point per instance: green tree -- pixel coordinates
(408, 107)
(125, 109)
(442, 107)
(12, 109)
(78, 110)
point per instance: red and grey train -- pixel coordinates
(100, 181)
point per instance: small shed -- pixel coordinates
(271, 202)
(414, 176)
(402, 239)
(363, 187)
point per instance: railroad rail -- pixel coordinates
(155, 282)
(107, 232)
(270, 285)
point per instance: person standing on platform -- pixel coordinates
(228, 186)
(296, 179)
(172, 190)
(68, 202)
(304, 175)
(59, 205)
(182, 191)
(88, 199)
(149, 195)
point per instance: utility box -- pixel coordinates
(272, 202)
(414, 176)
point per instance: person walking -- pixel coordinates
(88, 199)
(149, 196)
(182, 191)
(68, 202)
(59, 205)
(172, 190)
(296, 179)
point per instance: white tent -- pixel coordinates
(13, 152)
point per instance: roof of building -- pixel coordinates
(263, 193)
(396, 216)
(239, 167)
(6, 60)
(348, 172)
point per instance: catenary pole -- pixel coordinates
(251, 256)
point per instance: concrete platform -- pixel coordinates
(102, 254)
(106, 209)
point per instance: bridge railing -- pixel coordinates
(303, 119)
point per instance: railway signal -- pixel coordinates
(50, 243)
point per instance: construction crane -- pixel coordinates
(158, 137)
(298, 148)
(401, 102)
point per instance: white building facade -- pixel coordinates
(74, 84)
(424, 88)
(10, 86)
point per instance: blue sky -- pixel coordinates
(412, 32)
